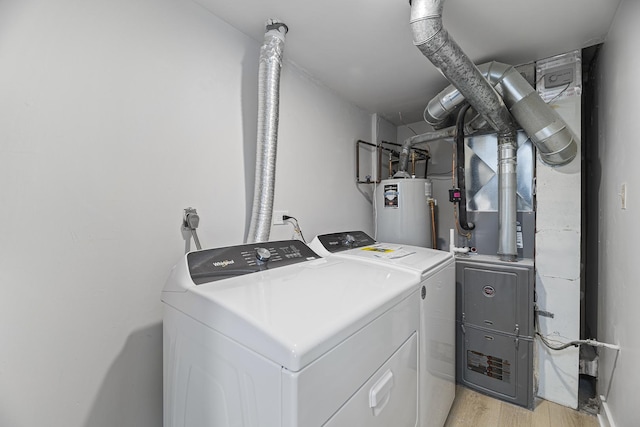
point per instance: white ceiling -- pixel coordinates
(363, 49)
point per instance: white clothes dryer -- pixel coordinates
(272, 335)
(434, 276)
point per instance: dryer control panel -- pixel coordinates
(211, 265)
(336, 242)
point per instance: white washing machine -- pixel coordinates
(434, 275)
(272, 335)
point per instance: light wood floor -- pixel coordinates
(477, 410)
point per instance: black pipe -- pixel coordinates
(426, 166)
(462, 204)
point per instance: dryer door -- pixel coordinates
(389, 397)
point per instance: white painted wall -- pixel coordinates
(315, 177)
(619, 293)
(114, 116)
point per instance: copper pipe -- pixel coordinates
(379, 150)
(434, 237)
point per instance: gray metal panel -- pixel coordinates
(490, 299)
(496, 364)
(481, 169)
(496, 296)
(485, 236)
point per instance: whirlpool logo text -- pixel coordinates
(224, 263)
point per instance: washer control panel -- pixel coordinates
(336, 242)
(211, 265)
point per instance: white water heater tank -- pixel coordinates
(402, 208)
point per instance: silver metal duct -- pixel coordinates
(417, 139)
(549, 133)
(434, 42)
(507, 198)
(473, 126)
(267, 138)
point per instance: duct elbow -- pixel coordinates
(548, 131)
(440, 108)
(404, 160)
(564, 144)
(550, 134)
(435, 113)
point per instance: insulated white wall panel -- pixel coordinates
(558, 197)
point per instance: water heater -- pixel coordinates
(402, 211)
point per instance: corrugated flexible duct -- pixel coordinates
(432, 39)
(267, 138)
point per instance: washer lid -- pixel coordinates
(294, 314)
(414, 258)
(358, 245)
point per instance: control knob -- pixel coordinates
(349, 240)
(263, 255)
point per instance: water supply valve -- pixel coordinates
(190, 222)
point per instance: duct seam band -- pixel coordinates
(547, 157)
(424, 18)
(424, 40)
(431, 46)
(548, 132)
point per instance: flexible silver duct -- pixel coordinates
(267, 138)
(434, 42)
(550, 134)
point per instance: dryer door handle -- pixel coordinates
(380, 393)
